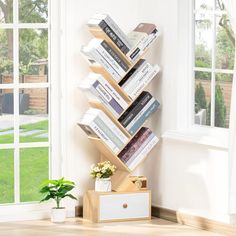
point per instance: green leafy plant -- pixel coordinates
(57, 190)
(102, 170)
(200, 98)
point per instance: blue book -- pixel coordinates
(142, 119)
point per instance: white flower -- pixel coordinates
(99, 175)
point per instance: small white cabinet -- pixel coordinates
(117, 206)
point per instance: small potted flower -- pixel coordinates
(102, 173)
(57, 190)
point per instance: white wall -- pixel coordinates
(182, 176)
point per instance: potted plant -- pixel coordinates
(102, 173)
(57, 190)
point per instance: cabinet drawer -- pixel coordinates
(124, 206)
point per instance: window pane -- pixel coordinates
(6, 116)
(33, 11)
(223, 92)
(6, 11)
(202, 98)
(6, 176)
(225, 45)
(204, 4)
(203, 41)
(33, 170)
(6, 56)
(33, 55)
(33, 109)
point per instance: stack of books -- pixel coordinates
(138, 78)
(133, 118)
(141, 38)
(132, 45)
(99, 51)
(138, 148)
(96, 87)
(97, 124)
(103, 23)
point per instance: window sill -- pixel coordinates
(213, 137)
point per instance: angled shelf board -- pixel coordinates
(124, 146)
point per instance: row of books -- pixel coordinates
(142, 108)
(138, 148)
(132, 45)
(138, 78)
(97, 124)
(96, 87)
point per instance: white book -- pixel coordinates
(96, 56)
(144, 82)
(143, 153)
(139, 76)
(111, 23)
(97, 43)
(109, 123)
(109, 88)
(88, 120)
(145, 108)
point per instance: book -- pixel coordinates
(109, 54)
(143, 153)
(108, 25)
(141, 38)
(134, 144)
(143, 118)
(141, 112)
(95, 58)
(143, 82)
(135, 108)
(97, 26)
(87, 123)
(117, 132)
(145, 142)
(97, 87)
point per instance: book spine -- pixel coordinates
(134, 82)
(114, 36)
(103, 62)
(150, 40)
(143, 153)
(107, 98)
(115, 56)
(140, 114)
(142, 119)
(118, 31)
(134, 110)
(104, 137)
(143, 83)
(110, 60)
(134, 146)
(113, 92)
(143, 145)
(117, 142)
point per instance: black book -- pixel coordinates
(135, 108)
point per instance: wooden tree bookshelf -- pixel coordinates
(121, 181)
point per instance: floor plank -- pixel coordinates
(80, 227)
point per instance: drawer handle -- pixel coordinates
(125, 205)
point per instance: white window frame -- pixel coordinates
(186, 130)
(34, 210)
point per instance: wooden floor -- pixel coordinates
(79, 227)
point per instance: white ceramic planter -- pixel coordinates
(103, 185)
(58, 215)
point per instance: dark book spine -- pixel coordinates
(134, 54)
(115, 56)
(134, 109)
(134, 144)
(114, 37)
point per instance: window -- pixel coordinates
(24, 99)
(214, 45)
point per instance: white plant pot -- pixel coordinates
(103, 185)
(58, 215)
